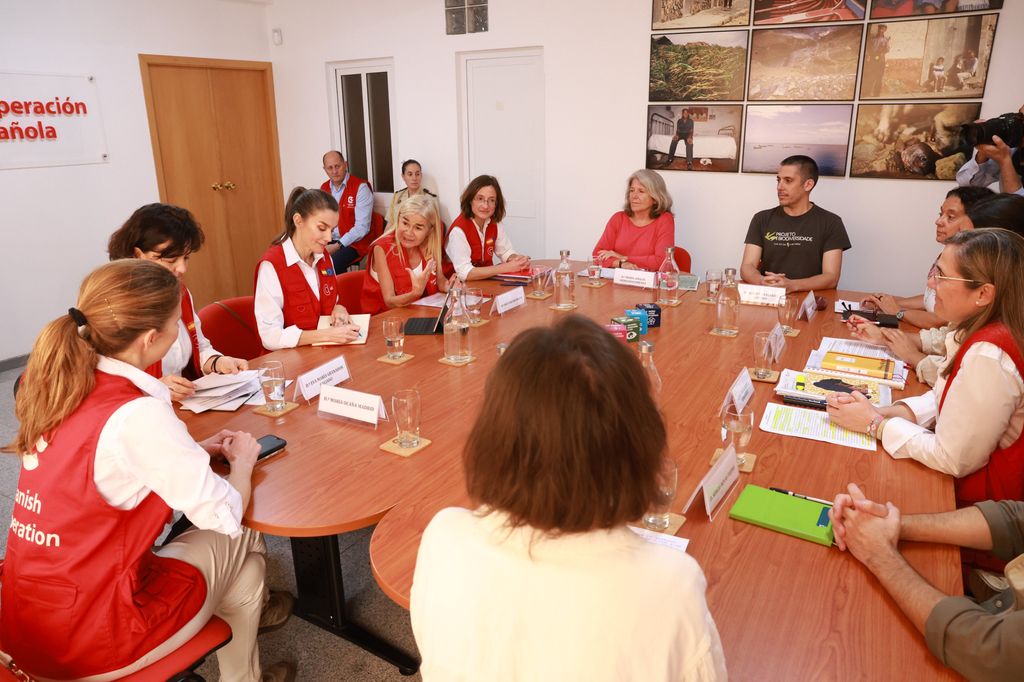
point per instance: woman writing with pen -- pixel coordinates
(295, 282)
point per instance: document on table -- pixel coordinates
(855, 347)
(678, 544)
(361, 320)
(432, 301)
(787, 420)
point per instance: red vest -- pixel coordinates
(481, 255)
(301, 307)
(372, 300)
(194, 369)
(347, 213)
(1003, 477)
(82, 591)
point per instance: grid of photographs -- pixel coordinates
(862, 86)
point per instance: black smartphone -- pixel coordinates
(270, 445)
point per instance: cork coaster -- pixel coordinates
(679, 302)
(748, 463)
(479, 323)
(724, 335)
(675, 522)
(394, 448)
(708, 301)
(288, 407)
(539, 296)
(452, 363)
(397, 361)
(588, 285)
(772, 378)
(563, 310)
(793, 332)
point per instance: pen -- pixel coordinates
(802, 497)
(513, 284)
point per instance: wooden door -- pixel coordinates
(214, 134)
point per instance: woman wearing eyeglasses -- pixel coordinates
(969, 424)
(476, 237)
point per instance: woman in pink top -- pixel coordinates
(637, 236)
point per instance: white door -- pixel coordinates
(503, 136)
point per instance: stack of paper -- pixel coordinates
(861, 348)
(817, 387)
(223, 392)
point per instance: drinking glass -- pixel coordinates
(394, 337)
(474, 300)
(737, 427)
(405, 405)
(657, 518)
(788, 309)
(501, 348)
(712, 283)
(272, 382)
(594, 271)
(763, 357)
(538, 280)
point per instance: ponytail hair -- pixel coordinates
(304, 202)
(117, 303)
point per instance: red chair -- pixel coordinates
(350, 290)
(230, 325)
(682, 257)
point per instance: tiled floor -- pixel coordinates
(319, 655)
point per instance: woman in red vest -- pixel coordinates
(168, 236)
(476, 236)
(295, 282)
(405, 262)
(969, 425)
(104, 460)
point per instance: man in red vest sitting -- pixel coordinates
(352, 236)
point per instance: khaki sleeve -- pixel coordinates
(975, 643)
(1006, 521)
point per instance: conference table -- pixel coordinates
(785, 608)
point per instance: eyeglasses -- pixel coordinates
(488, 201)
(934, 275)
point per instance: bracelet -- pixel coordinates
(873, 426)
(213, 367)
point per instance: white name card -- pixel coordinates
(330, 373)
(717, 483)
(808, 308)
(776, 341)
(741, 391)
(755, 294)
(509, 300)
(342, 402)
(634, 278)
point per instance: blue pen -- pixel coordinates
(513, 284)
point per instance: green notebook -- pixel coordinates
(794, 516)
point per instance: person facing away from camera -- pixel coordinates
(797, 245)
(543, 580)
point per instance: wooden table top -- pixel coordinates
(785, 608)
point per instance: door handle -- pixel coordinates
(229, 185)
(217, 187)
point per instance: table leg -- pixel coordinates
(321, 600)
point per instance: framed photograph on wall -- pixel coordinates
(767, 12)
(911, 141)
(699, 13)
(883, 9)
(817, 63)
(928, 58)
(698, 67)
(775, 131)
(713, 142)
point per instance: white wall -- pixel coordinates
(56, 221)
(595, 57)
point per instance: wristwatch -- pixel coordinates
(900, 314)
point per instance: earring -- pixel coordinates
(977, 303)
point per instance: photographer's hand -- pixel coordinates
(1000, 152)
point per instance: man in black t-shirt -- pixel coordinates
(796, 245)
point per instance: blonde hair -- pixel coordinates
(655, 186)
(119, 301)
(424, 205)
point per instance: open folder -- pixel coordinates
(796, 516)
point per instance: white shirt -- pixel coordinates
(180, 354)
(603, 605)
(144, 448)
(269, 299)
(983, 411)
(461, 255)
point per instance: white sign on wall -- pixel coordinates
(49, 120)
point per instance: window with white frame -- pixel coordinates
(361, 96)
(465, 16)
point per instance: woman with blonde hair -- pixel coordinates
(636, 237)
(405, 262)
(104, 461)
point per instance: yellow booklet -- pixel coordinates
(879, 368)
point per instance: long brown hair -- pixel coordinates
(991, 256)
(569, 438)
(303, 201)
(477, 184)
(119, 301)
